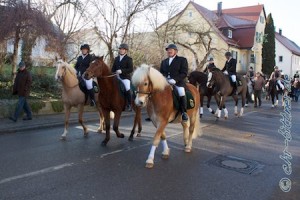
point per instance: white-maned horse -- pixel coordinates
(72, 96)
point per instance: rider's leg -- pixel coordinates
(183, 103)
(280, 84)
(234, 84)
(89, 87)
(126, 83)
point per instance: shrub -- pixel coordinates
(57, 106)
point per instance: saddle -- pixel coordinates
(122, 89)
(82, 86)
(189, 97)
(238, 80)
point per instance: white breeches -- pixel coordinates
(280, 84)
(180, 91)
(89, 83)
(126, 83)
(233, 78)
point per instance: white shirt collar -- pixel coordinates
(171, 59)
(122, 56)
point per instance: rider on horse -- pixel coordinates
(230, 68)
(123, 66)
(83, 62)
(175, 69)
(276, 75)
(210, 66)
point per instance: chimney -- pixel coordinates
(219, 9)
(280, 31)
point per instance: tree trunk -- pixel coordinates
(111, 55)
(15, 53)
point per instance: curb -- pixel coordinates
(54, 124)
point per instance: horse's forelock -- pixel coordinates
(140, 74)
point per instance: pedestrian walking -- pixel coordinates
(259, 83)
(21, 88)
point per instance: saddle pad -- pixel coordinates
(189, 97)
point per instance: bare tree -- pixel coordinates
(20, 21)
(69, 16)
(113, 20)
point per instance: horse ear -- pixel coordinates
(101, 58)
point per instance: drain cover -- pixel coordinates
(236, 164)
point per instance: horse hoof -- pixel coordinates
(104, 143)
(121, 135)
(200, 115)
(165, 155)
(225, 117)
(86, 135)
(187, 150)
(139, 135)
(130, 139)
(99, 131)
(149, 165)
(63, 138)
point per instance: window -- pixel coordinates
(190, 14)
(280, 58)
(252, 58)
(234, 54)
(229, 33)
(258, 37)
(262, 19)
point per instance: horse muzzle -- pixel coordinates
(139, 102)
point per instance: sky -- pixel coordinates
(285, 13)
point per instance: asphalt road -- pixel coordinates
(36, 165)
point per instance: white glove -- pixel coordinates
(226, 72)
(119, 71)
(171, 81)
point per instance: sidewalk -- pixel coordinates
(47, 121)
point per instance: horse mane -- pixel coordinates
(61, 63)
(158, 81)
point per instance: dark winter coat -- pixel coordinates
(230, 66)
(125, 65)
(83, 63)
(178, 70)
(22, 83)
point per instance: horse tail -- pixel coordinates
(197, 129)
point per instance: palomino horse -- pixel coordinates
(110, 98)
(72, 96)
(200, 78)
(154, 92)
(218, 79)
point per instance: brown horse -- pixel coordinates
(218, 79)
(110, 98)
(154, 92)
(72, 96)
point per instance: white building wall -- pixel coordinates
(285, 64)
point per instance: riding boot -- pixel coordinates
(234, 85)
(128, 97)
(183, 108)
(92, 97)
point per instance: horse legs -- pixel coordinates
(106, 114)
(235, 97)
(67, 109)
(156, 140)
(225, 112)
(166, 150)
(208, 104)
(116, 125)
(101, 121)
(137, 121)
(243, 105)
(222, 103)
(80, 113)
(201, 104)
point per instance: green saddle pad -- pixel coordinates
(189, 97)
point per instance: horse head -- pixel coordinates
(147, 79)
(61, 68)
(97, 68)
